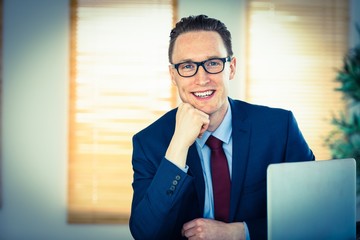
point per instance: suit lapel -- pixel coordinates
(241, 142)
(193, 161)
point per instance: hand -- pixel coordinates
(190, 124)
(209, 229)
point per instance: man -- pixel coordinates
(174, 193)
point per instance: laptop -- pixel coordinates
(312, 200)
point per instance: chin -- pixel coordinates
(208, 109)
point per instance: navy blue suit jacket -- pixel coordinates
(165, 197)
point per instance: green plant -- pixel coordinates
(344, 141)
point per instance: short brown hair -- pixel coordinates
(200, 23)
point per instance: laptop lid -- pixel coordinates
(312, 200)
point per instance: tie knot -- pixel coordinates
(214, 143)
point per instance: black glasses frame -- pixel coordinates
(198, 64)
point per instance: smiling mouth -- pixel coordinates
(204, 94)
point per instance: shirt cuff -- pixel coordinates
(185, 169)
(247, 234)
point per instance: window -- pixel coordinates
(294, 51)
(119, 84)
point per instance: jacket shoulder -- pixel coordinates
(163, 125)
(244, 109)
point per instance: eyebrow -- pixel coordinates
(190, 60)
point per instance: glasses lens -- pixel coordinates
(187, 69)
(214, 65)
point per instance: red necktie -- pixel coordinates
(220, 179)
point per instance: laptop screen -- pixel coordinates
(312, 200)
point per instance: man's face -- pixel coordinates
(204, 91)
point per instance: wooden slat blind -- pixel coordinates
(294, 51)
(119, 84)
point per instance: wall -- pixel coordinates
(354, 36)
(34, 123)
(34, 126)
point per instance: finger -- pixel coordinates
(202, 130)
(191, 234)
(188, 225)
(204, 127)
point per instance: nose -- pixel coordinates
(201, 77)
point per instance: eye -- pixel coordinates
(187, 66)
(213, 63)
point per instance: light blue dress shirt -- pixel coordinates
(223, 132)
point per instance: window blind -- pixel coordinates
(294, 50)
(119, 84)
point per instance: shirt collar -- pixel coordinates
(223, 132)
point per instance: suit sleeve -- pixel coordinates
(158, 189)
(297, 149)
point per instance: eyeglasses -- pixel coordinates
(212, 66)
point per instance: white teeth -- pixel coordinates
(203, 94)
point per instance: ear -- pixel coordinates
(232, 68)
(172, 72)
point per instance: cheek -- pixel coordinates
(182, 85)
(226, 86)
(183, 91)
